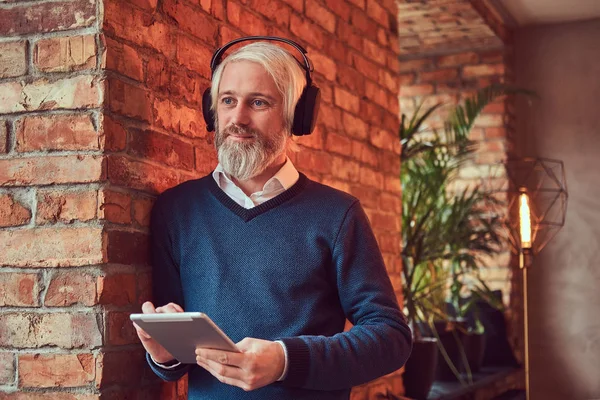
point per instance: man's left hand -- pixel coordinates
(260, 363)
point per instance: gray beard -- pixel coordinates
(243, 160)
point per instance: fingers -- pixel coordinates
(169, 308)
(148, 308)
(228, 374)
(222, 357)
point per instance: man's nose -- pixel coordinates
(241, 115)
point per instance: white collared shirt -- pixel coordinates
(284, 179)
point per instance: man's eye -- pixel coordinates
(227, 101)
(259, 103)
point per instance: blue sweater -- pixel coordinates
(293, 268)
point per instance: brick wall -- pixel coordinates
(100, 111)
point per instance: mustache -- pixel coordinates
(239, 131)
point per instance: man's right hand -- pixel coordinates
(158, 353)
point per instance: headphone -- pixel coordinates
(307, 108)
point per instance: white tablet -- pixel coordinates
(182, 333)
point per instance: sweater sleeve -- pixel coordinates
(380, 340)
(166, 283)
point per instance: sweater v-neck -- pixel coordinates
(247, 214)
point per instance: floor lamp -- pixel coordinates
(537, 204)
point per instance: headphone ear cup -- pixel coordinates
(209, 118)
(307, 111)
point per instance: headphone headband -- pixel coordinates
(308, 67)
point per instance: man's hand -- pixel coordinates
(260, 363)
(158, 353)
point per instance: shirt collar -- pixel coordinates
(287, 176)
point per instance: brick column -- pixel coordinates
(100, 112)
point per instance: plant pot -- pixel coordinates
(452, 340)
(475, 349)
(420, 368)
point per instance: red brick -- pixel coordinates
(13, 59)
(51, 247)
(124, 59)
(383, 139)
(376, 93)
(77, 92)
(490, 121)
(369, 177)
(19, 289)
(48, 396)
(416, 90)
(307, 31)
(346, 100)
(352, 37)
(359, 3)
(120, 329)
(495, 133)
(460, 59)
(392, 184)
(314, 161)
(114, 206)
(161, 148)
(47, 17)
(126, 22)
(355, 127)
(123, 247)
(363, 152)
(186, 85)
(298, 5)
(390, 81)
(194, 55)
(392, 203)
(321, 16)
(115, 136)
(439, 75)
(3, 136)
(62, 54)
(245, 20)
(117, 290)
(378, 13)
(56, 132)
(206, 158)
(338, 144)
(65, 206)
(374, 52)
(179, 119)
(497, 107)
(324, 65)
(367, 68)
(187, 19)
(69, 288)
(51, 170)
(350, 78)
(368, 196)
(66, 330)
(362, 22)
(56, 370)
(123, 171)
(340, 8)
(483, 70)
(12, 212)
(141, 210)
(273, 10)
(218, 9)
(314, 140)
(416, 65)
(345, 169)
(7, 369)
(330, 117)
(129, 100)
(124, 367)
(148, 5)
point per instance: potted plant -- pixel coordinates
(430, 219)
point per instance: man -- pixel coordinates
(276, 260)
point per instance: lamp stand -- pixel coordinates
(523, 267)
